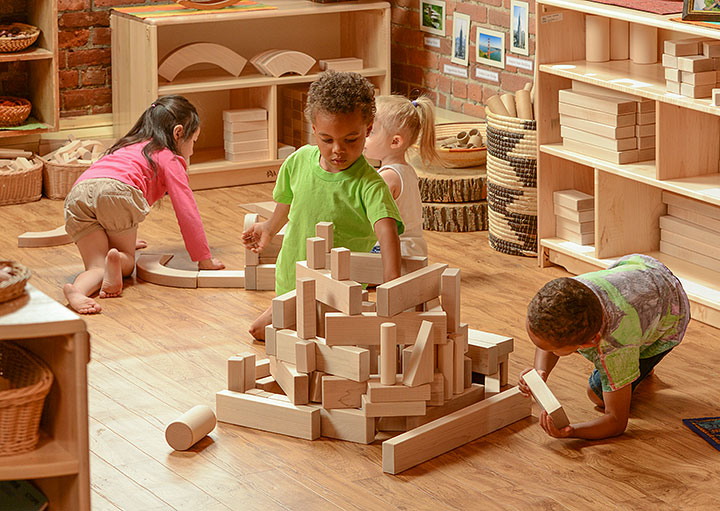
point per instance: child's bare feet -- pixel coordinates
(140, 244)
(112, 279)
(79, 302)
(257, 329)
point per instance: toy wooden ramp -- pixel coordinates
(50, 238)
(153, 268)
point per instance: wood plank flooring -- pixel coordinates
(158, 351)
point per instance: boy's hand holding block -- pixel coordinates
(545, 398)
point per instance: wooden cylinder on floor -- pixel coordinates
(597, 38)
(496, 106)
(388, 353)
(509, 102)
(524, 105)
(619, 40)
(190, 427)
(643, 44)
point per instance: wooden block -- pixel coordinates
(260, 277)
(619, 157)
(369, 306)
(340, 264)
(316, 253)
(580, 239)
(647, 118)
(316, 386)
(682, 47)
(546, 399)
(504, 343)
(587, 215)
(693, 245)
(268, 384)
(669, 61)
(573, 199)
(673, 74)
(409, 290)
(695, 63)
(181, 434)
(394, 409)
(388, 353)
(442, 435)
(696, 206)
(597, 38)
(606, 104)
(347, 361)
(285, 341)
(350, 425)
(51, 238)
(391, 423)
(246, 146)
(603, 130)
(270, 340)
(295, 385)
(689, 229)
(321, 311)
(343, 295)
(324, 230)
(421, 365)
(696, 91)
(711, 48)
(446, 365)
(688, 255)
(305, 316)
(623, 144)
(450, 296)
(245, 136)
(262, 154)
(364, 329)
(646, 142)
(287, 61)
(244, 126)
(262, 368)
(268, 415)
(245, 115)
(341, 64)
(284, 310)
(151, 268)
(338, 392)
(469, 396)
(405, 355)
(647, 130)
(236, 374)
(379, 393)
(716, 97)
(597, 116)
(704, 78)
(467, 366)
(576, 227)
(484, 357)
(437, 391)
(305, 356)
(221, 278)
(459, 344)
(704, 221)
(367, 268)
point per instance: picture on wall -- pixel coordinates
(490, 47)
(432, 16)
(703, 10)
(519, 36)
(461, 38)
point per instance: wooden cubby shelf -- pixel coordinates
(628, 198)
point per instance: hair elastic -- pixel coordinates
(414, 103)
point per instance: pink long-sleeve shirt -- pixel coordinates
(128, 165)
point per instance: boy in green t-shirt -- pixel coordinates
(330, 182)
(624, 320)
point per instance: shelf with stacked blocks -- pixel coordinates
(341, 366)
(587, 103)
(142, 43)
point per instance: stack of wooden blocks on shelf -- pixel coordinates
(325, 378)
(691, 66)
(246, 134)
(296, 130)
(574, 216)
(607, 124)
(691, 231)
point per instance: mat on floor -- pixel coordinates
(707, 427)
(654, 6)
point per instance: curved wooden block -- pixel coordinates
(51, 238)
(258, 60)
(213, 4)
(151, 268)
(201, 53)
(288, 61)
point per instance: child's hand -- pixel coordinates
(523, 386)
(547, 424)
(211, 264)
(257, 237)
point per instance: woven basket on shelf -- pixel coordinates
(512, 184)
(460, 157)
(29, 380)
(15, 285)
(13, 110)
(19, 186)
(24, 35)
(58, 178)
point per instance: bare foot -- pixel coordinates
(140, 244)
(112, 279)
(79, 302)
(257, 329)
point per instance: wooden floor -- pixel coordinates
(158, 351)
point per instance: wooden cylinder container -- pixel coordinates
(597, 38)
(388, 353)
(619, 40)
(190, 427)
(643, 44)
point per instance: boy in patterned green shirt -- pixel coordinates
(624, 320)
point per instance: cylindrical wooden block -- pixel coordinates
(509, 102)
(597, 38)
(523, 104)
(462, 138)
(475, 141)
(643, 44)
(388, 353)
(619, 40)
(496, 106)
(190, 427)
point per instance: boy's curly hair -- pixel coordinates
(565, 312)
(341, 93)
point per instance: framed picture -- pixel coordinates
(519, 37)
(705, 10)
(490, 47)
(461, 38)
(432, 16)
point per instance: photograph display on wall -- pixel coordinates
(432, 16)
(519, 36)
(461, 39)
(490, 46)
(702, 10)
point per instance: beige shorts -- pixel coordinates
(106, 204)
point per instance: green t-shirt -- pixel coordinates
(353, 200)
(645, 312)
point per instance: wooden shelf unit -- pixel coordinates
(42, 62)
(628, 198)
(358, 29)
(60, 465)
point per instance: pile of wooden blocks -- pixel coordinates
(607, 124)
(83, 152)
(246, 134)
(325, 378)
(691, 231)
(691, 66)
(574, 216)
(297, 131)
(15, 160)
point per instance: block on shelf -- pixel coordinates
(619, 157)
(623, 144)
(574, 199)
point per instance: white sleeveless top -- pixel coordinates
(409, 204)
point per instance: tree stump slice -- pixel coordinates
(452, 185)
(457, 217)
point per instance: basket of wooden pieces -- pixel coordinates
(13, 277)
(20, 177)
(13, 111)
(17, 36)
(461, 144)
(63, 166)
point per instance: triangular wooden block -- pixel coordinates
(420, 367)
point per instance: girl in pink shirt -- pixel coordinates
(110, 199)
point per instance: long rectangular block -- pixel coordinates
(606, 104)
(546, 399)
(689, 229)
(305, 308)
(446, 365)
(471, 395)
(283, 310)
(610, 155)
(703, 78)
(241, 372)
(268, 384)
(409, 290)
(235, 127)
(587, 215)
(245, 136)
(347, 424)
(260, 154)
(364, 329)
(450, 295)
(379, 393)
(573, 199)
(682, 47)
(603, 130)
(338, 392)
(246, 146)
(245, 115)
(697, 206)
(306, 361)
(623, 144)
(576, 227)
(696, 218)
(343, 295)
(695, 63)
(295, 385)
(596, 116)
(347, 361)
(394, 409)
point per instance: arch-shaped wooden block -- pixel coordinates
(286, 61)
(212, 4)
(151, 268)
(51, 238)
(201, 53)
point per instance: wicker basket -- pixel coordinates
(512, 184)
(21, 405)
(15, 285)
(58, 178)
(15, 114)
(19, 186)
(27, 35)
(460, 158)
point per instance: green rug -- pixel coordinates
(707, 427)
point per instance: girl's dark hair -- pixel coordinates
(156, 126)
